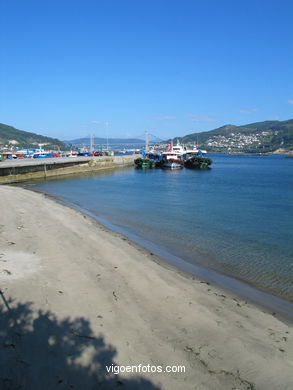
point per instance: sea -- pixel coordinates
(234, 220)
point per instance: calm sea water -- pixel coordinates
(236, 218)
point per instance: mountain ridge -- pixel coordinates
(256, 137)
(12, 137)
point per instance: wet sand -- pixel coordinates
(76, 297)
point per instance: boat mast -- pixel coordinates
(147, 140)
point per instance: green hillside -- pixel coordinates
(10, 137)
(259, 137)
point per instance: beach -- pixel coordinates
(77, 297)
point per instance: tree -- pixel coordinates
(40, 352)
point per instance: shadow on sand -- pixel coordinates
(39, 351)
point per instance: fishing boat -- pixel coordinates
(172, 158)
(198, 161)
(151, 159)
(171, 162)
(192, 152)
(183, 152)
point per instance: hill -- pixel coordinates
(10, 138)
(259, 137)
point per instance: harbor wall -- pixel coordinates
(21, 170)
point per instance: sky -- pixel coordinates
(70, 68)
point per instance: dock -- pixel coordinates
(18, 170)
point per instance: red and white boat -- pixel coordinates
(172, 158)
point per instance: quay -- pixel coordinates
(13, 171)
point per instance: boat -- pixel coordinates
(172, 158)
(151, 159)
(193, 152)
(171, 162)
(198, 161)
(183, 152)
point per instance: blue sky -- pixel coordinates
(70, 68)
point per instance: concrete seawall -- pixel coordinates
(21, 170)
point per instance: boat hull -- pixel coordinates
(172, 165)
(198, 162)
(144, 163)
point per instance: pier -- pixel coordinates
(13, 171)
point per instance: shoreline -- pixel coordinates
(265, 300)
(261, 298)
(103, 292)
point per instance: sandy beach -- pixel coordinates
(76, 297)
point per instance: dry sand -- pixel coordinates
(76, 297)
